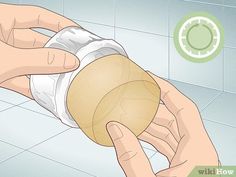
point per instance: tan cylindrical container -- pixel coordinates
(110, 87)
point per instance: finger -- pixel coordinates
(162, 133)
(19, 84)
(170, 172)
(130, 154)
(172, 97)
(185, 111)
(32, 16)
(166, 119)
(19, 62)
(182, 169)
(159, 144)
(27, 38)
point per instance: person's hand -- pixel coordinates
(21, 47)
(177, 132)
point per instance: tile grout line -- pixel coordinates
(94, 23)
(223, 62)
(19, 105)
(229, 6)
(130, 29)
(182, 82)
(230, 92)
(168, 26)
(13, 105)
(37, 112)
(211, 101)
(51, 137)
(1, 162)
(152, 155)
(220, 123)
(28, 149)
(11, 144)
(229, 47)
(213, 4)
(114, 25)
(223, 68)
(148, 149)
(206, 3)
(63, 7)
(8, 108)
(60, 163)
(146, 32)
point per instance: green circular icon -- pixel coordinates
(199, 37)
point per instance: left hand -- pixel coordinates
(21, 48)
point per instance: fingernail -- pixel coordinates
(114, 131)
(70, 62)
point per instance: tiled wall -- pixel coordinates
(145, 29)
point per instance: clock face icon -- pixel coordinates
(199, 37)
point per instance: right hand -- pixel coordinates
(177, 132)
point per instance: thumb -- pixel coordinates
(44, 61)
(129, 152)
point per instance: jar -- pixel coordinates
(107, 86)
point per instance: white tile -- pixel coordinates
(12, 97)
(159, 162)
(149, 152)
(209, 74)
(34, 106)
(230, 70)
(53, 5)
(75, 149)
(30, 165)
(101, 11)
(147, 50)
(214, 2)
(147, 145)
(100, 30)
(230, 3)
(180, 8)
(149, 16)
(200, 95)
(24, 128)
(229, 26)
(10, 1)
(4, 106)
(224, 138)
(45, 32)
(222, 110)
(7, 151)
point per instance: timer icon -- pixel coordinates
(199, 37)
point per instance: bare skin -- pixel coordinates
(177, 132)
(22, 51)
